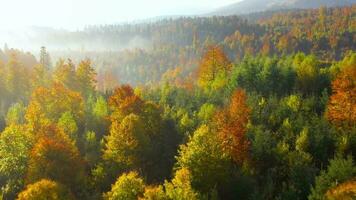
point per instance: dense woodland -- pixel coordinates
(179, 43)
(216, 108)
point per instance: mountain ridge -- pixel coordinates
(252, 6)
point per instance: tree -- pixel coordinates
(86, 77)
(180, 188)
(41, 72)
(339, 170)
(127, 141)
(47, 105)
(204, 159)
(15, 114)
(206, 112)
(341, 109)
(344, 191)
(16, 80)
(307, 71)
(124, 101)
(154, 193)
(64, 73)
(99, 121)
(55, 157)
(213, 64)
(15, 143)
(45, 59)
(100, 109)
(67, 123)
(45, 190)
(129, 186)
(231, 124)
(92, 148)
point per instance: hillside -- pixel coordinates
(251, 6)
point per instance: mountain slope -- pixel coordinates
(251, 6)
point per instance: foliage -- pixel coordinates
(15, 144)
(127, 140)
(44, 190)
(339, 171)
(180, 188)
(15, 114)
(154, 193)
(342, 105)
(54, 156)
(204, 159)
(48, 105)
(213, 64)
(127, 187)
(344, 191)
(213, 108)
(231, 125)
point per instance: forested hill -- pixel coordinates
(251, 6)
(216, 108)
(151, 49)
(145, 52)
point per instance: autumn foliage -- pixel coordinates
(55, 157)
(45, 190)
(213, 64)
(232, 123)
(344, 191)
(274, 124)
(341, 109)
(125, 101)
(48, 104)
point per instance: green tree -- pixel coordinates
(206, 112)
(15, 114)
(204, 158)
(67, 123)
(15, 143)
(338, 171)
(91, 148)
(45, 59)
(307, 74)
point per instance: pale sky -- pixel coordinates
(74, 14)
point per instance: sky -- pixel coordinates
(75, 14)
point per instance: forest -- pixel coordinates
(261, 106)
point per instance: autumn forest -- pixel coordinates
(258, 106)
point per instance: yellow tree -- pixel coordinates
(48, 104)
(213, 64)
(127, 187)
(64, 73)
(86, 77)
(45, 190)
(344, 191)
(127, 141)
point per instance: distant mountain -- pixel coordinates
(251, 6)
